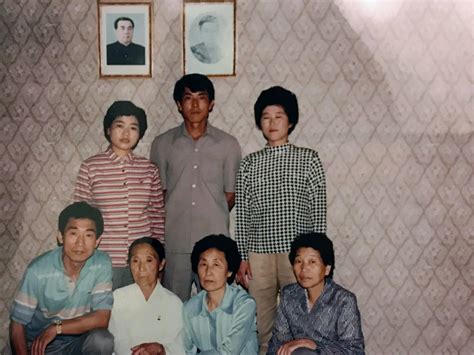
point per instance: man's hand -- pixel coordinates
(244, 274)
(39, 344)
(148, 349)
(292, 345)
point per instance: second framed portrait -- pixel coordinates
(125, 43)
(209, 37)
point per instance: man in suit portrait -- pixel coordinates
(208, 50)
(124, 51)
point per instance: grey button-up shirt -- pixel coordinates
(195, 174)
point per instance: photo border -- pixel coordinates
(124, 71)
(192, 65)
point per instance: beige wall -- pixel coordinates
(385, 91)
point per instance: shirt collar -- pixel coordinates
(278, 149)
(325, 296)
(117, 159)
(182, 132)
(225, 306)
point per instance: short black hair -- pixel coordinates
(125, 108)
(317, 241)
(276, 95)
(223, 244)
(123, 18)
(81, 210)
(194, 82)
(154, 243)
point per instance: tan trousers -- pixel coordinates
(270, 273)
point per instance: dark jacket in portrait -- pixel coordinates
(118, 54)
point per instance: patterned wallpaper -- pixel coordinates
(385, 91)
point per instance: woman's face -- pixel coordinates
(213, 270)
(145, 264)
(309, 268)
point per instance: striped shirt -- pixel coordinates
(128, 192)
(46, 293)
(280, 193)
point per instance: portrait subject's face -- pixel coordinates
(124, 134)
(79, 240)
(145, 264)
(309, 268)
(195, 106)
(275, 125)
(213, 270)
(210, 33)
(124, 32)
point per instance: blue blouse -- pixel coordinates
(333, 322)
(228, 329)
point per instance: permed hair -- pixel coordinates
(81, 210)
(125, 108)
(317, 241)
(154, 243)
(223, 244)
(194, 82)
(276, 95)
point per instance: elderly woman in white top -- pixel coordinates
(146, 317)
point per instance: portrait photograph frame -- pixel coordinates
(209, 45)
(125, 39)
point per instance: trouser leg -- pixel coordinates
(264, 288)
(97, 341)
(285, 270)
(178, 274)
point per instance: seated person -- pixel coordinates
(316, 315)
(64, 302)
(221, 318)
(146, 316)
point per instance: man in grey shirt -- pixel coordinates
(198, 165)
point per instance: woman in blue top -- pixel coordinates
(221, 318)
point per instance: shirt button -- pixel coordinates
(193, 203)
(124, 184)
(195, 167)
(194, 186)
(196, 150)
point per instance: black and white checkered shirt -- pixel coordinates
(280, 193)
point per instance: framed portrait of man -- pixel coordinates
(125, 44)
(209, 37)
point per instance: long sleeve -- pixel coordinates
(82, 189)
(317, 192)
(157, 208)
(242, 206)
(281, 332)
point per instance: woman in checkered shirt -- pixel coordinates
(280, 193)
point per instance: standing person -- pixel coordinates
(198, 165)
(125, 187)
(64, 301)
(281, 193)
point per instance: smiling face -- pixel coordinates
(309, 269)
(195, 106)
(145, 264)
(79, 241)
(124, 32)
(213, 270)
(275, 125)
(124, 134)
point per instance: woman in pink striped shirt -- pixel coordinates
(124, 186)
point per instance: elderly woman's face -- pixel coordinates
(145, 264)
(213, 270)
(309, 268)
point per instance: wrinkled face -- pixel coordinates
(213, 270)
(309, 268)
(124, 32)
(145, 264)
(79, 240)
(195, 106)
(209, 33)
(124, 134)
(275, 125)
